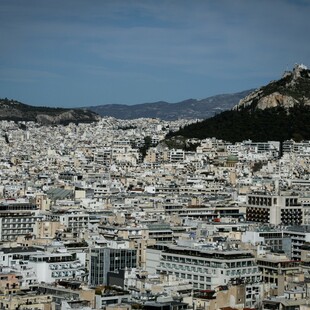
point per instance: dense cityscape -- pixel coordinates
(154, 155)
(88, 221)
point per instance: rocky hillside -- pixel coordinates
(187, 109)
(16, 111)
(278, 111)
(293, 88)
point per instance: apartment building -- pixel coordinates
(176, 155)
(160, 232)
(27, 302)
(272, 237)
(208, 268)
(277, 269)
(299, 236)
(51, 267)
(301, 148)
(17, 218)
(274, 209)
(10, 281)
(74, 221)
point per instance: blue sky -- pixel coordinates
(71, 53)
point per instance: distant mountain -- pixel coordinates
(277, 111)
(188, 109)
(12, 110)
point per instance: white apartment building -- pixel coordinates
(176, 155)
(301, 148)
(17, 259)
(51, 267)
(206, 268)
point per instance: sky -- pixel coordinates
(75, 53)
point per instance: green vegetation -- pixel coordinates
(257, 166)
(16, 111)
(147, 144)
(28, 108)
(258, 125)
(180, 142)
(80, 244)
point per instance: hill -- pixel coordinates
(187, 109)
(12, 110)
(278, 111)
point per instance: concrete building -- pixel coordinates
(52, 267)
(208, 268)
(276, 271)
(274, 209)
(17, 218)
(105, 259)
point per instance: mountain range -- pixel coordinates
(187, 109)
(278, 111)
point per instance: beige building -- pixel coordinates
(277, 272)
(27, 301)
(274, 209)
(47, 229)
(9, 282)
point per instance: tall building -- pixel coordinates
(104, 260)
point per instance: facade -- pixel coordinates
(27, 302)
(273, 238)
(299, 236)
(274, 209)
(74, 222)
(176, 155)
(208, 269)
(277, 270)
(17, 218)
(111, 298)
(301, 148)
(10, 281)
(51, 267)
(262, 147)
(160, 232)
(104, 260)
